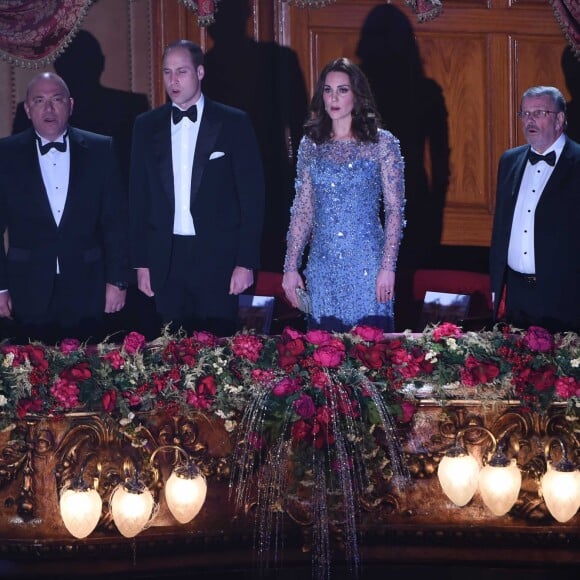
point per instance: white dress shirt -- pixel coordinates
(183, 142)
(55, 169)
(521, 254)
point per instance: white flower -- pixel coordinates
(3, 400)
(230, 425)
(431, 356)
(8, 359)
(451, 343)
(575, 363)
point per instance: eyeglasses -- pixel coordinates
(539, 114)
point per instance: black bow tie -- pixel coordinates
(58, 145)
(550, 158)
(178, 114)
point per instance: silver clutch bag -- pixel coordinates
(304, 301)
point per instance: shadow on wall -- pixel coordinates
(413, 109)
(571, 69)
(264, 79)
(96, 108)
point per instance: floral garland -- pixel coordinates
(181, 374)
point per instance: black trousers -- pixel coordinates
(65, 317)
(195, 296)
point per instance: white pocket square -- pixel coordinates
(216, 155)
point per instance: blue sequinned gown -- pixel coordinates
(339, 188)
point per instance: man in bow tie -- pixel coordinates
(535, 247)
(63, 212)
(196, 200)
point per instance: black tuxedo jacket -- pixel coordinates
(91, 241)
(227, 195)
(556, 232)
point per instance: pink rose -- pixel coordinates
(285, 387)
(133, 342)
(247, 346)
(568, 387)
(205, 338)
(445, 330)
(539, 339)
(317, 336)
(407, 412)
(66, 393)
(304, 406)
(369, 333)
(329, 356)
(291, 333)
(69, 345)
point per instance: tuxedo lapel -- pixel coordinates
(161, 136)
(79, 160)
(560, 175)
(32, 175)
(208, 132)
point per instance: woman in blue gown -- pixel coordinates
(347, 167)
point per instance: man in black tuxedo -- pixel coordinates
(535, 248)
(196, 200)
(62, 207)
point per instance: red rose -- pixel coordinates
(540, 379)
(318, 336)
(36, 356)
(372, 357)
(69, 345)
(133, 342)
(115, 359)
(369, 333)
(539, 339)
(444, 330)
(133, 399)
(324, 415)
(301, 430)
(329, 356)
(478, 372)
(109, 400)
(304, 406)
(206, 386)
(197, 401)
(26, 406)
(78, 373)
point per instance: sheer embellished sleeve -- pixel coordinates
(302, 212)
(393, 185)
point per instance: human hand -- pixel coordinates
(385, 287)
(144, 281)
(291, 281)
(5, 305)
(114, 298)
(242, 278)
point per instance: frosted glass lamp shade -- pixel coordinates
(185, 495)
(80, 510)
(132, 509)
(499, 486)
(457, 475)
(561, 492)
